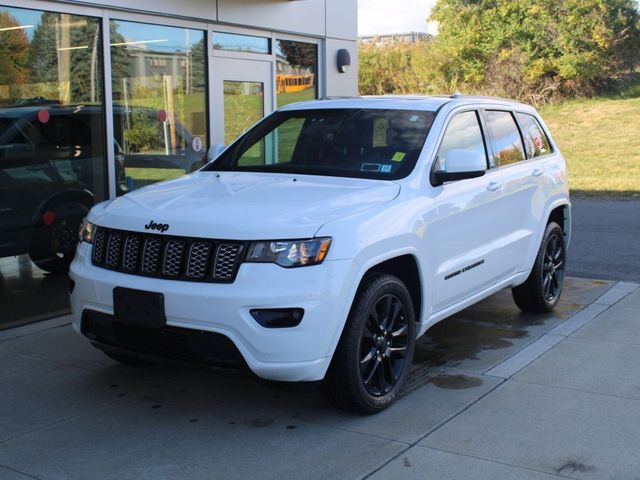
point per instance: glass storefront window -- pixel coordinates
(243, 106)
(52, 152)
(296, 68)
(159, 102)
(241, 43)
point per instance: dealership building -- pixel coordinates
(100, 98)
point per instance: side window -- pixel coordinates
(463, 133)
(535, 139)
(504, 132)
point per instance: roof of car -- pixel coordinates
(417, 102)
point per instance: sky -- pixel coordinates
(394, 16)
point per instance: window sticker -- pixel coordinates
(385, 168)
(370, 167)
(398, 156)
(414, 118)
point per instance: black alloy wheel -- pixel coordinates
(375, 351)
(553, 267)
(55, 244)
(383, 346)
(542, 289)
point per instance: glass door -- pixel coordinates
(242, 95)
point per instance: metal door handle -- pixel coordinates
(493, 186)
(537, 172)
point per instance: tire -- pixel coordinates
(129, 360)
(55, 244)
(542, 289)
(372, 360)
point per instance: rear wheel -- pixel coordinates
(542, 289)
(372, 360)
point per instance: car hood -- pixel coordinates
(242, 205)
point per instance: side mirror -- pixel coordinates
(460, 164)
(215, 151)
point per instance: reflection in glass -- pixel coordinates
(52, 160)
(243, 106)
(159, 95)
(296, 67)
(463, 133)
(507, 143)
(535, 139)
(241, 43)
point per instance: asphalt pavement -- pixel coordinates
(606, 239)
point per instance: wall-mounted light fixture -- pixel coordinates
(344, 60)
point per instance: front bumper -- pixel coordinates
(300, 353)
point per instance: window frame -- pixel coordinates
(492, 141)
(483, 133)
(552, 150)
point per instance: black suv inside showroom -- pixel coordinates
(53, 139)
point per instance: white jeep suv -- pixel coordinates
(327, 238)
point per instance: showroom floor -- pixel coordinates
(28, 294)
(493, 394)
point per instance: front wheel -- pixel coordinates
(541, 291)
(56, 240)
(374, 354)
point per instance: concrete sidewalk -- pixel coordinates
(493, 394)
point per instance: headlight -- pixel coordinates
(87, 230)
(289, 253)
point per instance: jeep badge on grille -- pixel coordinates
(162, 227)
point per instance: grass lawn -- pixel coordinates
(600, 138)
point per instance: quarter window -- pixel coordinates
(463, 133)
(507, 143)
(535, 139)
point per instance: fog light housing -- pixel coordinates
(277, 317)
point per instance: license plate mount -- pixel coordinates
(139, 308)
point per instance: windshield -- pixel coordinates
(363, 143)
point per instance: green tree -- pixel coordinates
(84, 50)
(14, 53)
(534, 49)
(197, 57)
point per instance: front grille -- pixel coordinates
(161, 256)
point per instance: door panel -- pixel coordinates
(470, 237)
(242, 94)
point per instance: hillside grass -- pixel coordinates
(600, 138)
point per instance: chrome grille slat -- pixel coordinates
(150, 255)
(113, 249)
(226, 258)
(170, 257)
(130, 252)
(197, 259)
(98, 244)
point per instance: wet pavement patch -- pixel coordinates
(456, 382)
(575, 467)
(259, 422)
(465, 340)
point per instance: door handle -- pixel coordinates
(493, 186)
(537, 172)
